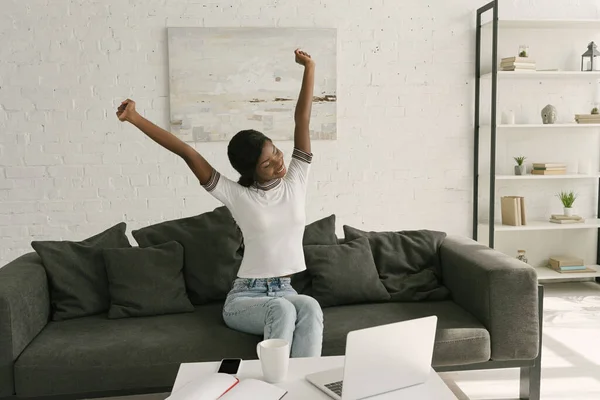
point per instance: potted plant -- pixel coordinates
(594, 110)
(567, 199)
(520, 167)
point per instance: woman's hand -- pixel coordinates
(126, 111)
(303, 58)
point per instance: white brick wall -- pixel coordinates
(69, 169)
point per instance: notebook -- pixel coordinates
(227, 387)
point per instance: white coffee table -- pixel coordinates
(299, 388)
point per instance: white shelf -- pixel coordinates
(547, 275)
(542, 126)
(543, 74)
(546, 24)
(541, 177)
(544, 226)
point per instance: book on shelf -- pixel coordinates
(566, 217)
(587, 118)
(513, 68)
(525, 60)
(517, 65)
(565, 261)
(568, 264)
(227, 387)
(549, 168)
(552, 165)
(572, 270)
(513, 210)
(567, 221)
(549, 172)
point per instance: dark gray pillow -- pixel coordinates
(146, 281)
(318, 232)
(76, 273)
(344, 274)
(212, 251)
(408, 262)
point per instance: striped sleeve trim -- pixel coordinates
(302, 156)
(212, 182)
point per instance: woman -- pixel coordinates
(268, 203)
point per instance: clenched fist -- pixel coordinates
(126, 111)
(303, 58)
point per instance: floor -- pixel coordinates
(570, 358)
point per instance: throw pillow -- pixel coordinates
(146, 281)
(318, 232)
(76, 273)
(344, 274)
(212, 251)
(408, 262)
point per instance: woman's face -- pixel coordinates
(270, 163)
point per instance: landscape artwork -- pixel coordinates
(223, 80)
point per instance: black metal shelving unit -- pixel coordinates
(493, 8)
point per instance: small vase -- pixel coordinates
(519, 170)
(568, 211)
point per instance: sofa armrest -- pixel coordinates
(499, 290)
(24, 311)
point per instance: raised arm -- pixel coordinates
(199, 166)
(304, 105)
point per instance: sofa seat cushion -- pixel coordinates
(460, 337)
(96, 354)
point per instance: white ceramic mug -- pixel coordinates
(274, 356)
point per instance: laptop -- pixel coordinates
(381, 359)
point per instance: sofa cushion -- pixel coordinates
(95, 354)
(460, 338)
(344, 274)
(146, 281)
(212, 251)
(408, 262)
(318, 232)
(76, 272)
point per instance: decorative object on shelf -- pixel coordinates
(595, 111)
(589, 60)
(517, 64)
(584, 166)
(520, 167)
(513, 210)
(567, 199)
(549, 114)
(508, 117)
(524, 51)
(549, 169)
(563, 219)
(521, 256)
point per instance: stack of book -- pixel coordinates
(549, 169)
(513, 210)
(563, 219)
(566, 264)
(587, 118)
(517, 64)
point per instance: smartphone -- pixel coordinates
(230, 366)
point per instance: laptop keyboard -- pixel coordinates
(336, 387)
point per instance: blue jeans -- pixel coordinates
(271, 307)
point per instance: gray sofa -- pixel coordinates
(491, 321)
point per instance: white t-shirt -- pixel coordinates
(271, 217)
